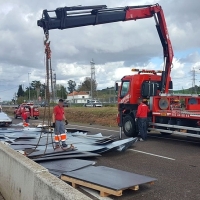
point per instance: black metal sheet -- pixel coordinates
(42, 155)
(20, 136)
(109, 177)
(21, 147)
(42, 142)
(81, 155)
(51, 152)
(57, 174)
(66, 165)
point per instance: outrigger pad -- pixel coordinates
(110, 178)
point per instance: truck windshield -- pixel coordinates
(125, 88)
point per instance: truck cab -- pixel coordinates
(144, 84)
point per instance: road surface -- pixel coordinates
(173, 161)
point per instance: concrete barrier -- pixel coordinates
(23, 179)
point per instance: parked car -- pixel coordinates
(93, 103)
(44, 104)
(21, 108)
(65, 104)
(30, 109)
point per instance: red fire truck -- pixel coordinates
(31, 110)
(177, 114)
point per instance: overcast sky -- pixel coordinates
(116, 48)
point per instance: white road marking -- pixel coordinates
(151, 154)
(95, 194)
(94, 128)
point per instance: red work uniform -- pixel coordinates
(58, 112)
(59, 130)
(142, 113)
(24, 116)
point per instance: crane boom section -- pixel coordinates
(78, 16)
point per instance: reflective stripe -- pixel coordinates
(25, 124)
(56, 138)
(59, 137)
(63, 137)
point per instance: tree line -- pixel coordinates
(37, 90)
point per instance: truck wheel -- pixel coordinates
(129, 126)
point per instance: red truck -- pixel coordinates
(31, 110)
(170, 114)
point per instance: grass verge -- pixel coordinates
(105, 116)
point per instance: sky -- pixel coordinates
(115, 48)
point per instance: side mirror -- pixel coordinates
(116, 87)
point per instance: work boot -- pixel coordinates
(64, 145)
(57, 146)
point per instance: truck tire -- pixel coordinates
(129, 126)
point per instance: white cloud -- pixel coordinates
(116, 48)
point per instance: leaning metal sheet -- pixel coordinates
(109, 177)
(67, 165)
(121, 145)
(81, 147)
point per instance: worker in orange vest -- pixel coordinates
(141, 119)
(58, 124)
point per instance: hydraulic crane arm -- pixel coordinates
(71, 17)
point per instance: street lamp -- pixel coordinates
(29, 88)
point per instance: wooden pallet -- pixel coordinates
(104, 192)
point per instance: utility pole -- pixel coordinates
(29, 94)
(193, 81)
(55, 91)
(92, 63)
(45, 94)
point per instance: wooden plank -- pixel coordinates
(104, 192)
(135, 188)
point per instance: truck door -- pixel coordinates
(124, 93)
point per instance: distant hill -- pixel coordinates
(192, 90)
(109, 95)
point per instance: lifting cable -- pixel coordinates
(47, 110)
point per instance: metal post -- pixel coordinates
(92, 77)
(29, 95)
(120, 109)
(45, 95)
(54, 82)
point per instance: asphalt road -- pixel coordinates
(173, 161)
